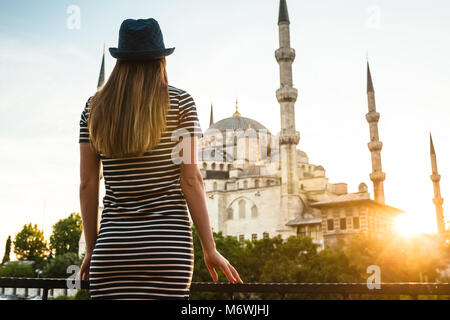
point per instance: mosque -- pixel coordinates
(259, 184)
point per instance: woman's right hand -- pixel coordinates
(213, 260)
(84, 270)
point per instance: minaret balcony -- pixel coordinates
(287, 94)
(289, 137)
(435, 177)
(375, 145)
(438, 201)
(377, 176)
(372, 117)
(285, 54)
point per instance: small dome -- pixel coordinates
(362, 187)
(302, 157)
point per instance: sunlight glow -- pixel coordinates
(408, 225)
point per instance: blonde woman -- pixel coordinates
(133, 127)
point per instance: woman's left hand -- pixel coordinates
(215, 259)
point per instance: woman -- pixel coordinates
(133, 126)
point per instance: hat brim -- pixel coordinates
(140, 55)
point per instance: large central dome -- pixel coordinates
(237, 123)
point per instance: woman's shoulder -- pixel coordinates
(178, 92)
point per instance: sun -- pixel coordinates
(408, 225)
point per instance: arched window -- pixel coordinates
(213, 166)
(256, 183)
(268, 183)
(205, 165)
(221, 166)
(242, 209)
(230, 213)
(245, 184)
(254, 211)
(215, 186)
(230, 166)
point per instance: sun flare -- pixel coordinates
(408, 225)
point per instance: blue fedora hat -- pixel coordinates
(140, 39)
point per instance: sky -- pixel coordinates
(50, 54)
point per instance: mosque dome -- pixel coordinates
(238, 123)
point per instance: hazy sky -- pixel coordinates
(225, 49)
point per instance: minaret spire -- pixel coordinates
(375, 145)
(211, 116)
(437, 200)
(101, 77)
(369, 80)
(289, 137)
(283, 15)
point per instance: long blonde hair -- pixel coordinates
(128, 114)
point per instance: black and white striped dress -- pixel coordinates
(144, 248)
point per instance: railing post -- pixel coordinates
(44, 293)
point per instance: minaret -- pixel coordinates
(375, 145)
(101, 77)
(211, 116)
(437, 200)
(289, 137)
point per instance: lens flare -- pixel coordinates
(408, 225)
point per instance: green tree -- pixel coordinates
(29, 245)
(66, 235)
(7, 250)
(17, 270)
(229, 247)
(57, 266)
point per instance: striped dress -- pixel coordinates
(144, 248)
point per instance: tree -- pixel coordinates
(57, 266)
(29, 244)
(229, 247)
(7, 250)
(66, 235)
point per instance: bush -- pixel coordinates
(18, 270)
(82, 295)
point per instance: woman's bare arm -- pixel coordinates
(193, 190)
(89, 193)
(192, 186)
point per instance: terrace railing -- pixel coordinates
(342, 289)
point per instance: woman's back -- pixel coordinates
(144, 214)
(141, 186)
